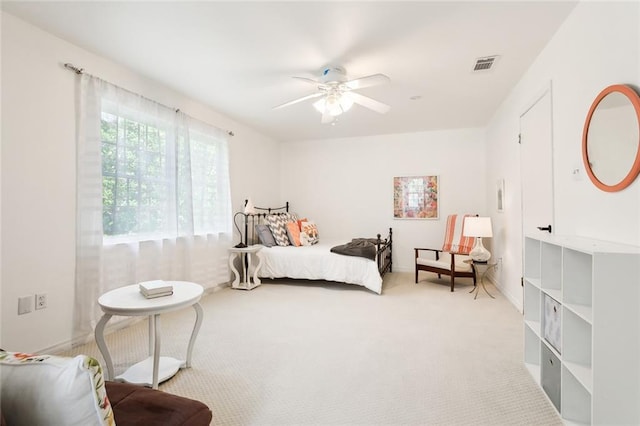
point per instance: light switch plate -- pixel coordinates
(25, 304)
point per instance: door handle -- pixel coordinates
(545, 228)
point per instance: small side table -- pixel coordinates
(128, 301)
(481, 269)
(245, 253)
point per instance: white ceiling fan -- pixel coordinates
(338, 94)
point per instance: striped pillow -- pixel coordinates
(454, 242)
(278, 225)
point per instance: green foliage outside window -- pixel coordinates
(145, 193)
(134, 177)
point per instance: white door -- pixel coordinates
(536, 152)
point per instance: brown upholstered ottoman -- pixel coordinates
(136, 405)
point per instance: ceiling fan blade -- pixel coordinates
(368, 81)
(308, 80)
(295, 101)
(320, 85)
(367, 102)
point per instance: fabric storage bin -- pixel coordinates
(550, 377)
(552, 323)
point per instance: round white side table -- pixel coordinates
(245, 254)
(128, 301)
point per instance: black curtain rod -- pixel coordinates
(81, 71)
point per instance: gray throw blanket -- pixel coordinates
(361, 247)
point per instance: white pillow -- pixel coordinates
(52, 390)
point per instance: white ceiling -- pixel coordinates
(238, 57)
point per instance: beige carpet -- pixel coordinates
(332, 354)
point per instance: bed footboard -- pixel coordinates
(384, 251)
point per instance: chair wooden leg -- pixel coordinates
(452, 275)
(416, 275)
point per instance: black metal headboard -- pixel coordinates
(252, 219)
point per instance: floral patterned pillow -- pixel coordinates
(48, 389)
(310, 231)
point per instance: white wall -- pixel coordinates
(38, 173)
(0, 199)
(597, 46)
(346, 185)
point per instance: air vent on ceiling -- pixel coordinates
(485, 63)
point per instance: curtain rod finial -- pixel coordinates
(74, 68)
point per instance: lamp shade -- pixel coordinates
(249, 208)
(477, 227)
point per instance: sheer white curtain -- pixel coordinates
(153, 197)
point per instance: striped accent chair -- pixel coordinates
(449, 260)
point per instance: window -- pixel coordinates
(159, 178)
(155, 179)
(134, 177)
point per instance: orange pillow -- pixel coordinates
(293, 231)
(300, 222)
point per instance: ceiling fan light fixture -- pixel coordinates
(346, 103)
(336, 94)
(333, 104)
(335, 111)
(319, 105)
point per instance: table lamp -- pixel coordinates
(478, 227)
(249, 209)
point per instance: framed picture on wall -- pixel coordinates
(500, 195)
(415, 197)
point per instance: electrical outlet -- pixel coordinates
(41, 301)
(499, 265)
(25, 304)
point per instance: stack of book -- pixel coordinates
(156, 288)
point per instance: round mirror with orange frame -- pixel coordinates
(611, 138)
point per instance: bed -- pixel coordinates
(317, 262)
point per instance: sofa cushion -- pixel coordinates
(445, 263)
(47, 389)
(136, 405)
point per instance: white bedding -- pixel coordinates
(316, 262)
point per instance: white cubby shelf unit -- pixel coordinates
(593, 377)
